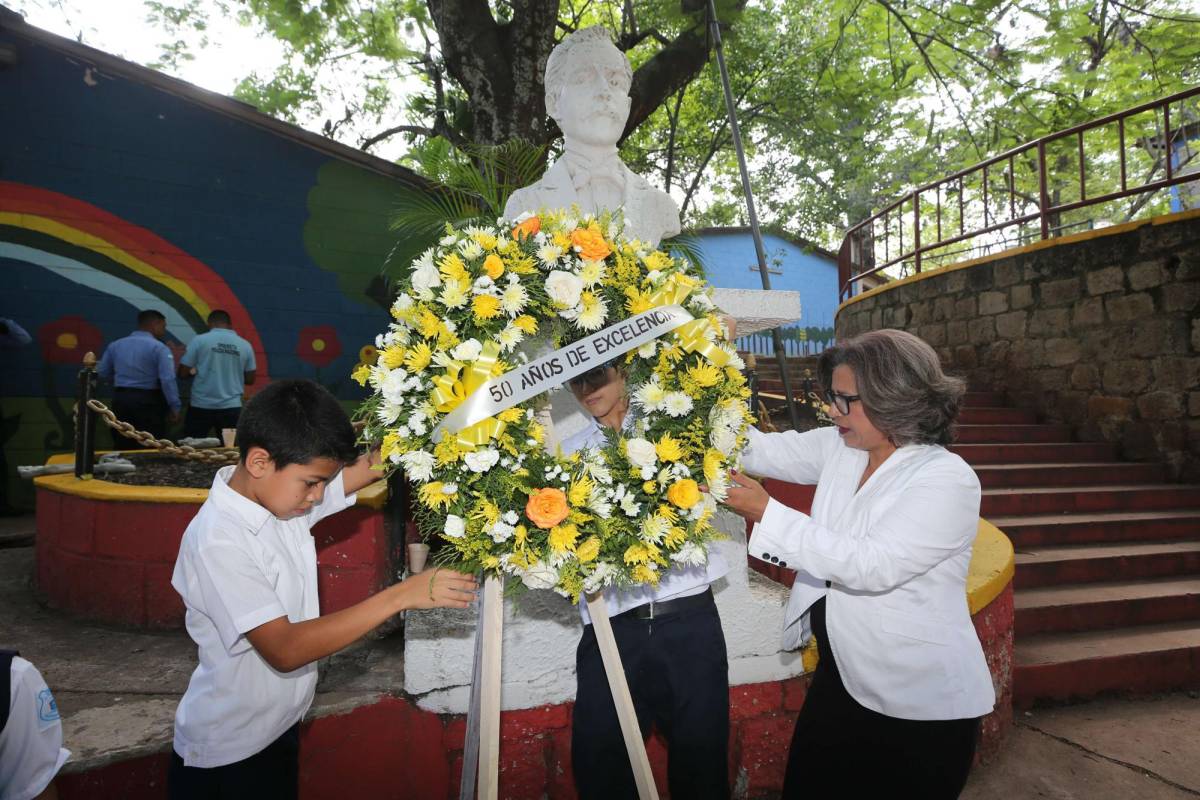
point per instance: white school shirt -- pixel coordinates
(239, 567)
(31, 751)
(897, 552)
(675, 583)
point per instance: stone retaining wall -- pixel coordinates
(1098, 330)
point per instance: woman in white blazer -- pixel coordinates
(881, 571)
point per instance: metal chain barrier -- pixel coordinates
(214, 456)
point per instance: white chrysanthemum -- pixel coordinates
(598, 471)
(701, 302)
(598, 504)
(691, 554)
(418, 465)
(388, 412)
(481, 460)
(425, 278)
(648, 349)
(449, 488)
(564, 288)
(403, 302)
(592, 313)
(511, 517)
(735, 360)
(630, 506)
(502, 532)
(723, 439)
(654, 528)
(449, 240)
(483, 285)
(653, 276)
(549, 255)
(718, 487)
(467, 351)
(592, 273)
(418, 426)
(677, 404)
(392, 385)
(539, 575)
(510, 337)
(514, 299)
(601, 577)
(453, 296)
(470, 249)
(455, 526)
(641, 453)
(650, 395)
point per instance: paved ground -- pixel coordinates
(118, 690)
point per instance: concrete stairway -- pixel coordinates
(1107, 586)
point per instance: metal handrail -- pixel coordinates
(857, 258)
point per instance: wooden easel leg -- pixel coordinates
(489, 690)
(617, 684)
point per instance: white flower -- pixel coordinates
(655, 528)
(514, 299)
(630, 506)
(456, 526)
(449, 488)
(418, 426)
(549, 254)
(592, 313)
(482, 285)
(648, 349)
(502, 531)
(650, 395)
(723, 439)
(540, 575)
(690, 554)
(418, 465)
(467, 351)
(641, 453)
(598, 504)
(481, 460)
(453, 296)
(677, 404)
(392, 385)
(653, 275)
(510, 337)
(592, 273)
(425, 277)
(403, 302)
(564, 288)
(701, 302)
(470, 249)
(511, 517)
(388, 412)
(601, 577)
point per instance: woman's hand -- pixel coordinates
(746, 496)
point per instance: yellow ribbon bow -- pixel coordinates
(449, 392)
(691, 337)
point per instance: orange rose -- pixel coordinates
(684, 493)
(590, 242)
(527, 228)
(547, 507)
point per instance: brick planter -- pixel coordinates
(106, 551)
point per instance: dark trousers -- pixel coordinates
(273, 773)
(200, 421)
(678, 674)
(843, 749)
(144, 409)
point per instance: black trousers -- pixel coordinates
(842, 749)
(273, 773)
(678, 674)
(199, 421)
(144, 409)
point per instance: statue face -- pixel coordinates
(592, 105)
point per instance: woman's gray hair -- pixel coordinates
(904, 392)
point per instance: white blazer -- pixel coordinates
(897, 553)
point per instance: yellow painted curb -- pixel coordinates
(373, 496)
(992, 566)
(1083, 236)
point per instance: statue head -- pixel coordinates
(587, 87)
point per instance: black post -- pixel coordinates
(85, 420)
(396, 518)
(759, 250)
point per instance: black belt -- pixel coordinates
(136, 390)
(662, 608)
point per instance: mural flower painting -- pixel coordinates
(67, 339)
(319, 345)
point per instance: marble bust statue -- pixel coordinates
(587, 94)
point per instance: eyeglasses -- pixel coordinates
(840, 401)
(591, 380)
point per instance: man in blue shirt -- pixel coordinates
(141, 369)
(223, 364)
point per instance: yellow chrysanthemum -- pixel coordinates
(588, 550)
(433, 496)
(675, 537)
(636, 302)
(519, 536)
(637, 554)
(417, 358)
(537, 432)
(522, 265)
(668, 448)
(392, 357)
(485, 240)
(361, 374)
(650, 487)
(452, 267)
(704, 374)
(562, 538)
(643, 574)
(389, 445)
(490, 562)
(714, 463)
(527, 324)
(429, 324)
(447, 451)
(493, 266)
(486, 512)
(486, 307)
(511, 415)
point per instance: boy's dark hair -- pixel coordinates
(148, 316)
(296, 421)
(219, 317)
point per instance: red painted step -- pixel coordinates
(1095, 606)
(1067, 529)
(984, 399)
(998, 476)
(977, 434)
(1082, 499)
(1078, 666)
(1058, 564)
(1041, 453)
(983, 415)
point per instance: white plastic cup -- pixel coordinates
(418, 552)
(228, 435)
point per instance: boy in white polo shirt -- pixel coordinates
(247, 573)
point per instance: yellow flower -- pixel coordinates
(590, 242)
(657, 260)
(368, 354)
(637, 302)
(537, 432)
(453, 268)
(447, 451)
(486, 306)
(704, 374)
(668, 449)
(490, 562)
(392, 357)
(561, 240)
(649, 487)
(432, 496)
(519, 536)
(643, 574)
(527, 324)
(511, 415)
(713, 464)
(562, 538)
(361, 373)
(675, 537)
(493, 266)
(637, 554)
(588, 550)
(486, 512)
(429, 324)
(580, 491)
(417, 358)
(389, 445)
(684, 493)
(485, 240)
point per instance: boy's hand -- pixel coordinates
(438, 588)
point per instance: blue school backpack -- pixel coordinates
(6, 657)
